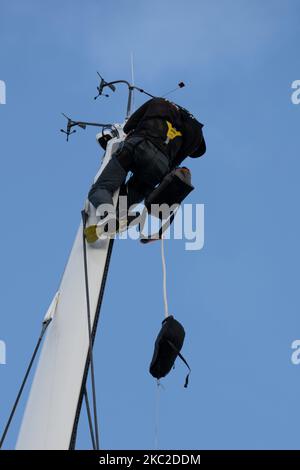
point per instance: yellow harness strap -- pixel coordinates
(172, 132)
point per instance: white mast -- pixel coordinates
(53, 407)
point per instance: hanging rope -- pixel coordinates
(164, 277)
(44, 327)
(166, 308)
(87, 292)
(156, 429)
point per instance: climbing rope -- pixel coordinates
(166, 309)
(163, 259)
(156, 429)
(44, 328)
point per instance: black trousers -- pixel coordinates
(147, 164)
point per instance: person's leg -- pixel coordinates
(108, 182)
(137, 190)
(113, 175)
(149, 166)
(101, 193)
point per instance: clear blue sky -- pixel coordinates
(238, 298)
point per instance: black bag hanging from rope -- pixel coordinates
(167, 347)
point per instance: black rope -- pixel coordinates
(90, 332)
(44, 327)
(88, 410)
(95, 324)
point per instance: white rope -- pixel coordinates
(164, 277)
(156, 430)
(158, 385)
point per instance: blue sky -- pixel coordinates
(238, 298)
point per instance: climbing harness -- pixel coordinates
(172, 133)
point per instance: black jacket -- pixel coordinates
(171, 128)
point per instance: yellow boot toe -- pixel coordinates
(90, 234)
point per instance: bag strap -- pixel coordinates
(183, 360)
(158, 235)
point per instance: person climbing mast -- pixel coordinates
(160, 135)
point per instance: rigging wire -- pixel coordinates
(90, 333)
(132, 79)
(44, 328)
(88, 410)
(87, 364)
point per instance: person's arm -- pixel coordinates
(201, 149)
(185, 152)
(194, 143)
(136, 117)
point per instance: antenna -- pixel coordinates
(132, 80)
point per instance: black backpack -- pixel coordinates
(167, 347)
